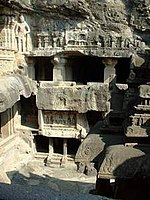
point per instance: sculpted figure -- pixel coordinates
(22, 31)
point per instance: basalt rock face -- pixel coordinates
(114, 17)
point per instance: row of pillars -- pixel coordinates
(59, 69)
(51, 147)
(60, 73)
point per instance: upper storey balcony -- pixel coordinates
(81, 83)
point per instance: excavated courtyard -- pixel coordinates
(35, 181)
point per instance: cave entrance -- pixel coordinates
(72, 146)
(123, 70)
(93, 117)
(41, 143)
(66, 146)
(43, 69)
(83, 69)
(29, 112)
(58, 145)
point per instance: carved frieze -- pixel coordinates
(144, 91)
(79, 37)
(87, 42)
(63, 124)
(89, 38)
(140, 120)
(59, 119)
(53, 36)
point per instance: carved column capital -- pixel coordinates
(56, 61)
(110, 62)
(59, 61)
(59, 68)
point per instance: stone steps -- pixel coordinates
(55, 159)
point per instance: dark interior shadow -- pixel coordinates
(35, 187)
(133, 180)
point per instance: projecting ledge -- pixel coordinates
(61, 133)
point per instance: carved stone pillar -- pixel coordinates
(59, 68)
(40, 120)
(17, 116)
(31, 68)
(65, 147)
(109, 71)
(12, 30)
(39, 42)
(51, 148)
(46, 41)
(109, 78)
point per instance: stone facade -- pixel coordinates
(75, 77)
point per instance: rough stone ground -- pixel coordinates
(35, 181)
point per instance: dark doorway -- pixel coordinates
(43, 69)
(29, 112)
(58, 145)
(87, 69)
(72, 146)
(93, 117)
(42, 143)
(122, 70)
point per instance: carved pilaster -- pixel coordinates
(59, 68)
(31, 68)
(109, 71)
(51, 148)
(65, 147)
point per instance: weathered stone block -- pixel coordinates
(81, 98)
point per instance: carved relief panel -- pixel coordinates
(59, 119)
(83, 34)
(15, 33)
